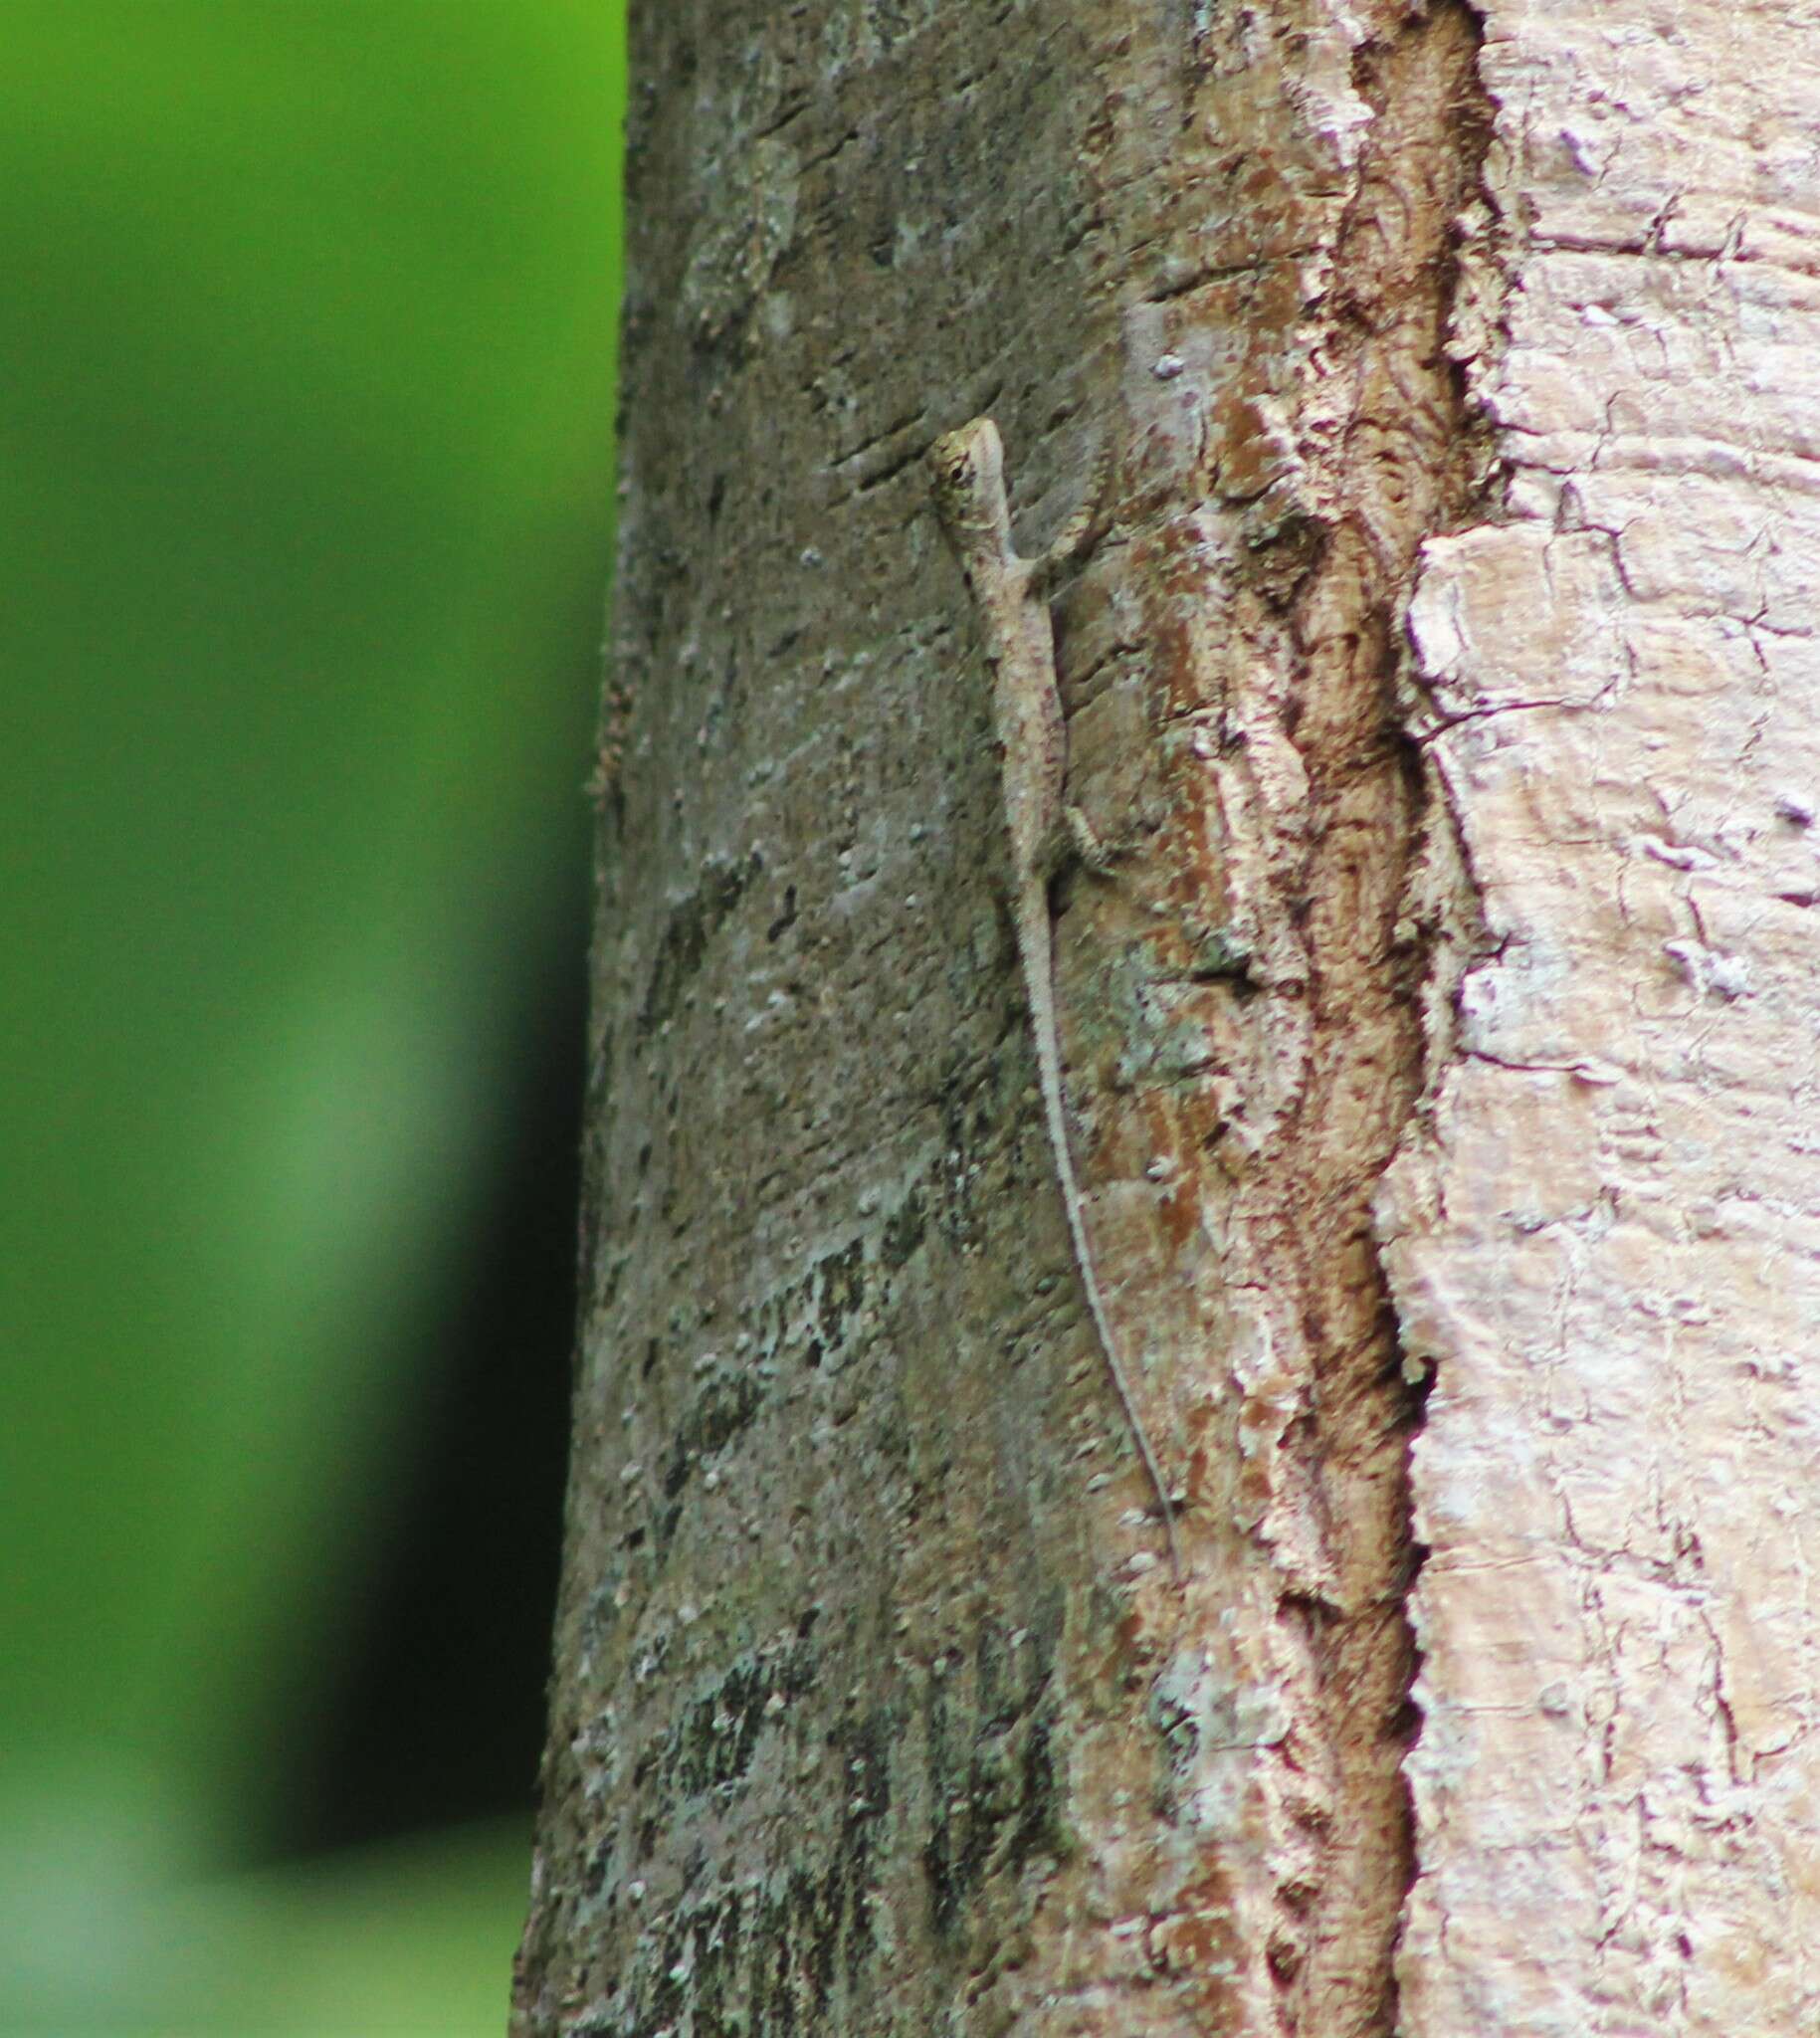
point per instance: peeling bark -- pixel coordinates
(1600, 1241)
(1435, 1048)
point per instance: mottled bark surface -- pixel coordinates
(1437, 1045)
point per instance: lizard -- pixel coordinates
(1011, 595)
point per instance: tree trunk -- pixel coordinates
(1439, 1046)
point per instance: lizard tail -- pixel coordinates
(1039, 975)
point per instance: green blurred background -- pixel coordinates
(305, 361)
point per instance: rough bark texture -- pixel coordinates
(1436, 1049)
(1604, 1242)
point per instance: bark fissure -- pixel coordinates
(1389, 457)
(876, 1711)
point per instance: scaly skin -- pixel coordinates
(1011, 594)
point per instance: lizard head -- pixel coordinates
(967, 471)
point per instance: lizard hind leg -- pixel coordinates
(1069, 839)
(1083, 843)
(1072, 839)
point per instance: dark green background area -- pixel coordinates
(305, 357)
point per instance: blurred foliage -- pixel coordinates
(305, 418)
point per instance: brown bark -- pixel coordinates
(1442, 1021)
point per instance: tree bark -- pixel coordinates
(1439, 1047)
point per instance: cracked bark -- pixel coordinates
(1436, 1050)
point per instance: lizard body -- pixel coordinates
(1012, 597)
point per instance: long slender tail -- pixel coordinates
(1034, 942)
